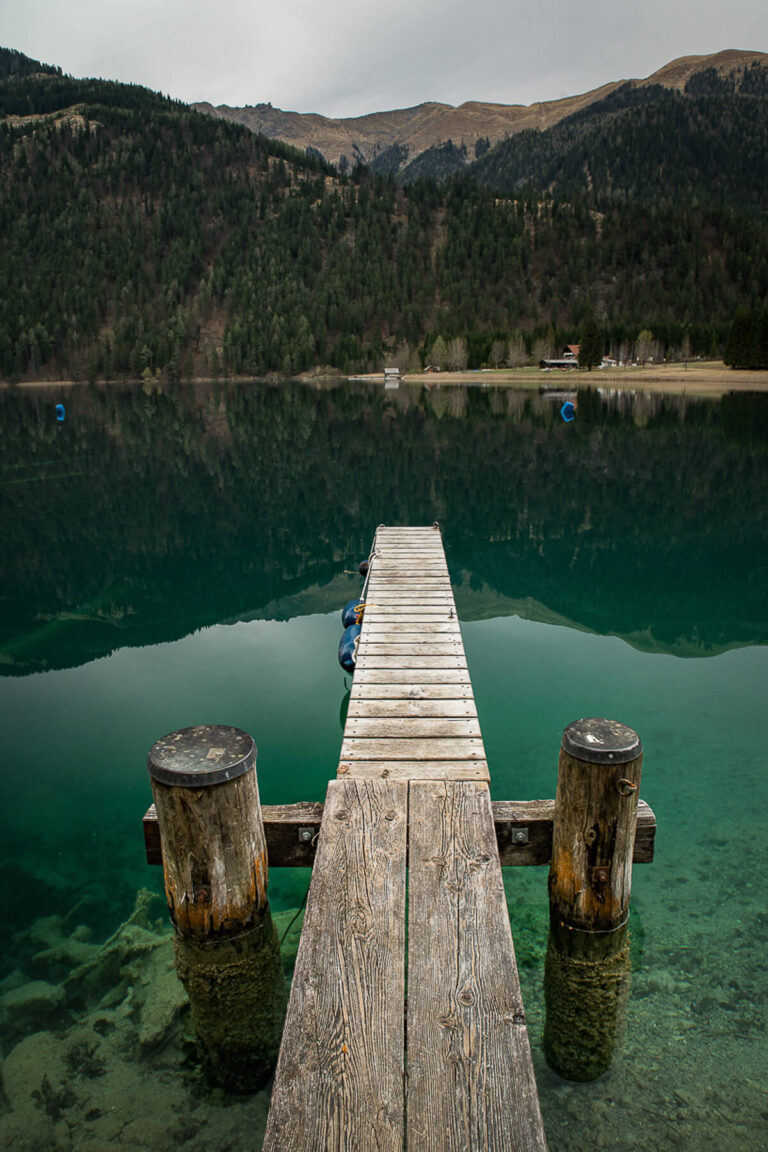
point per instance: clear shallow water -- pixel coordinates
(176, 559)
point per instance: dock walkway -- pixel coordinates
(412, 1038)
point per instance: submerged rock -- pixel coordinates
(29, 1004)
(120, 1070)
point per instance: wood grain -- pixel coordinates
(534, 817)
(339, 1079)
(369, 690)
(365, 708)
(411, 727)
(411, 663)
(471, 1085)
(410, 677)
(438, 748)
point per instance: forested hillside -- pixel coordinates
(141, 238)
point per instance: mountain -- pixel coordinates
(434, 139)
(143, 239)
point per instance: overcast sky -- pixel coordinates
(349, 57)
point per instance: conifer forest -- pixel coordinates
(142, 238)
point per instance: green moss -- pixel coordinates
(585, 1003)
(238, 997)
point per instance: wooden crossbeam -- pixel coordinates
(286, 824)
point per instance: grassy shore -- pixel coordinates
(698, 378)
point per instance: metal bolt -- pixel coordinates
(520, 836)
(306, 835)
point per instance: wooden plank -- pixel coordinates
(406, 574)
(471, 1085)
(411, 638)
(376, 629)
(410, 677)
(456, 709)
(410, 727)
(339, 1079)
(371, 748)
(450, 649)
(364, 689)
(415, 769)
(409, 605)
(412, 663)
(404, 614)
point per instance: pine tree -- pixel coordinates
(590, 344)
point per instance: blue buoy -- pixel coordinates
(352, 613)
(60, 413)
(348, 647)
(568, 411)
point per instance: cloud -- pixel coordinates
(345, 58)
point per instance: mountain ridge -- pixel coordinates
(392, 140)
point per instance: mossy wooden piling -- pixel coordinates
(590, 878)
(215, 868)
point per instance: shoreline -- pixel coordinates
(705, 379)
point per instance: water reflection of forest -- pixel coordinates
(149, 513)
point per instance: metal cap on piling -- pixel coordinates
(200, 756)
(598, 741)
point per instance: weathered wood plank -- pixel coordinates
(379, 630)
(406, 615)
(412, 663)
(339, 1079)
(406, 574)
(471, 1085)
(413, 639)
(370, 748)
(366, 709)
(449, 648)
(410, 677)
(409, 606)
(410, 727)
(415, 769)
(364, 689)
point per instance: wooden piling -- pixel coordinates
(214, 854)
(587, 967)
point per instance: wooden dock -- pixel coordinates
(407, 1035)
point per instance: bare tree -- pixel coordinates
(517, 354)
(458, 354)
(498, 352)
(542, 350)
(644, 345)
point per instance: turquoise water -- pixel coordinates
(178, 558)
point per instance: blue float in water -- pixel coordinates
(60, 413)
(568, 411)
(352, 613)
(348, 647)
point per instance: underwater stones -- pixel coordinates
(164, 1001)
(30, 1003)
(37, 1058)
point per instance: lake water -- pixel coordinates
(180, 557)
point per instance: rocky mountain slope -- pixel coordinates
(392, 141)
